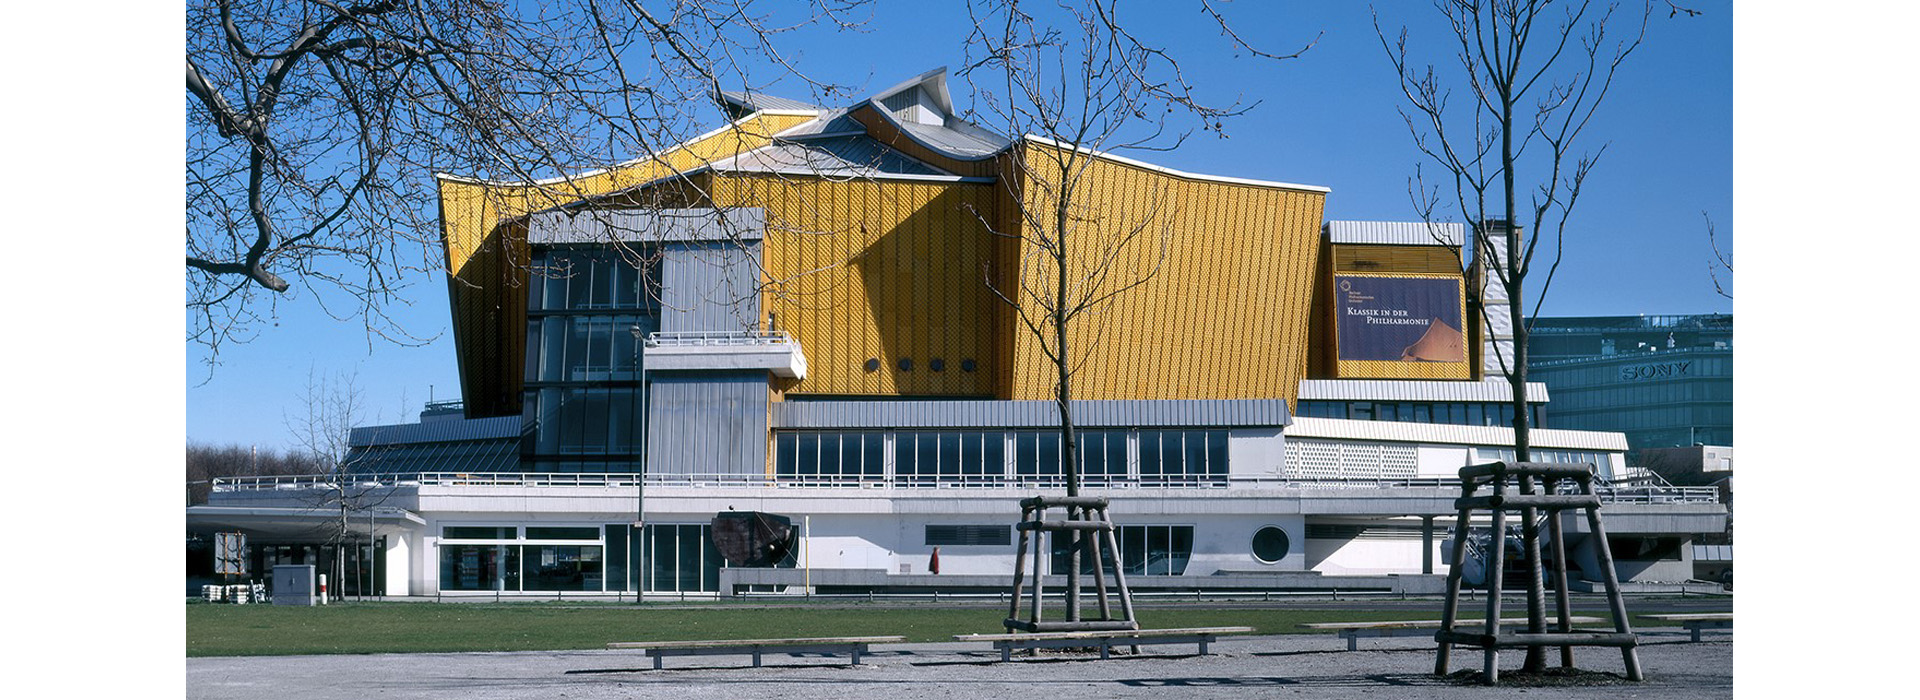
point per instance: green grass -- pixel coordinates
(366, 628)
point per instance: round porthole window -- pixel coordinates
(1270, 544)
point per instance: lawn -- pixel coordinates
(365, 628)
(358, 628)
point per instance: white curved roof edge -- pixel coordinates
(1476, 435)
(636, 161)
(1181, 173)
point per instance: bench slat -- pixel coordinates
(1102, 634)
(1415, 624)
(744, 643)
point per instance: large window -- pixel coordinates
(496, 558)
(829, 456)
(594, 277)
(949, 456)
(586, 419)
(1145, 550)
(1183, 456)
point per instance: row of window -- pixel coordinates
(594, 277)
(1103, 455)
(1442, 412)
(580, 348)
(676, 558)
(585, 420)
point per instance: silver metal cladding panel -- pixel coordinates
(707, 423)
(834, 156)
(710, 286)
(645, 226)
(1396, 233)
(1028, 414)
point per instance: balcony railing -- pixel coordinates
(712, 338)
(1610, 494)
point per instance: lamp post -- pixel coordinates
(637, 544)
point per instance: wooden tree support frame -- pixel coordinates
(1087, 524)
(1512, 489)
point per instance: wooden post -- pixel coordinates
(1019, 568)
(1449, 609)
(1629, 655)
(1039, 577)
(1562, 604)
(1536, 587)
(1120, 578)
(1496, 568)
(1099, 566)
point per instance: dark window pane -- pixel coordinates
(871, 446)
(1149, 454)
(784, 446)
(1027, 453)
(995, 454)
(949, 454)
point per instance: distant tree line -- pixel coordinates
(208, 462)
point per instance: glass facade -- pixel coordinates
(1145, 550)
(670, 558)
(1444, 412)
(584, 407)
(1000, 456)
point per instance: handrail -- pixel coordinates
(1608, 493)
(705, 338)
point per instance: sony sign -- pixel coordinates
(1657, 370)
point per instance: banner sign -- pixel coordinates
(1399, 319)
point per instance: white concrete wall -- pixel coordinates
(397, 559)
(1256, 452)
(1371, 556)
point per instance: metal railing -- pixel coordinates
(1608, 493)
(712, 338)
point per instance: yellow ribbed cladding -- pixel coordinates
(877, 269)
(1225, 317)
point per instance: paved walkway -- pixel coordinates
(1315, 666)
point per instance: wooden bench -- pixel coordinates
(1694, 622)
(1104, 639)
(851, 646)
(1353, 631)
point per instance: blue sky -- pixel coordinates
(1637, 245)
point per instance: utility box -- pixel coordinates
(293, 585)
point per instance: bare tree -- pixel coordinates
(1532, 76)
(1722, 262)
(332, 406)
(314, 126)
(1068, 88)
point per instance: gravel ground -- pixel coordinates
(1315, 666)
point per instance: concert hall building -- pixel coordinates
(806, 312)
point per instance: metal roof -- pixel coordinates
(1478, 435)
(447, 430)
(755, 102)
(1222, 413)
(1415, 390)
(966, 144)
(1396, 233)
(832, 156)
(489, 455)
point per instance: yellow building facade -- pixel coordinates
(897, 245)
